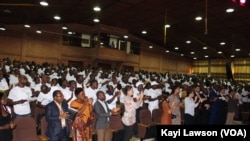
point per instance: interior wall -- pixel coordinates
(26, 45)
(217, 68)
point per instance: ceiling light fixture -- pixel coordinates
(204, 48)
(222, 43)
(232, 56)
(194, 58)
(150, 47)
(27, 25)
(96, 20)
(56, 17)
(167, 26)
(237, 49)
(167, 51)
(219, 52)
(97, 9)
(44, 3)
(199, 18)
(2, 27)
(144, 32)
(182, 54)
(64, 27)
(192, 52)
(206, 56)
(125, 36)
(230, 10)
(38, 31)
(176, 48)
(188, 42)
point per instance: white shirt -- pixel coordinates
(153, 104)
(13, 80)
(45, 98)
(190, 105)
(113, 103)
(136, 95)
(67, 94)
(17, 93)
(3, 85)
(91, 93)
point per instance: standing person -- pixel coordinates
(3, 82)
(129, 116)
(191, 102)
(56, 113)
(90, 92)
(166, 118)
(103, 113)
(175, 102)
(6, 124)
(231, 107)
(84, 117)
(19, 97)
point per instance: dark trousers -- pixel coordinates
(128, 132)
(188, 119)
(64, 136)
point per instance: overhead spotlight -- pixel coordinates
(2, 27)
(237, 49)
(56, 17)
(167, 25)
(205, 48)
(230, 10)
(125, 36)
(27, 25)
(219, 52)
(97, 8)
(176, 48)
(188, 42)
(206, 56)
(96, 20)
(38, 31)
(144, 32)
(44, 3)
(194, 58)
(167, 51)
(150, 47)
(198, 18)
(182, 54)
(64, 27)
(222, 43)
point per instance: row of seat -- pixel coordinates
(26, 129)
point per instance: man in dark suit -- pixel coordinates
(103, 113)
(56, 113)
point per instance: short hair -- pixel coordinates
(55, 93)
(98, 93)
(93, 81)
(78, 90)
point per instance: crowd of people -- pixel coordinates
(82, 99)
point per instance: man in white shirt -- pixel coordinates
(153, 96)
(20, 97)
(45, 96)
(92, 90)
(3, 83)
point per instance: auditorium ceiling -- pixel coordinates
(217, 34)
